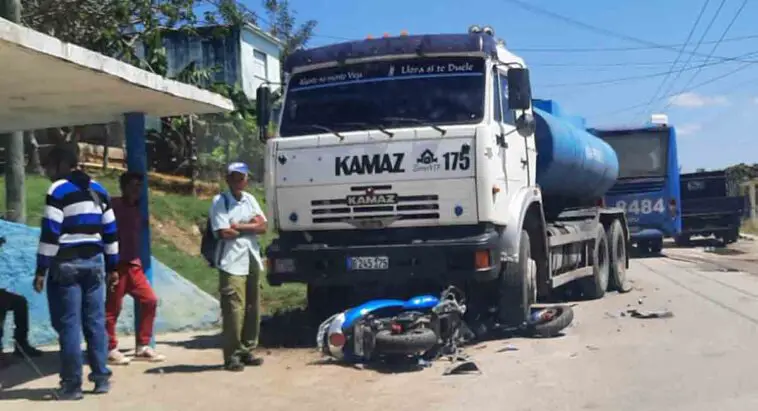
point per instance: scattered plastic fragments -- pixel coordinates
(462, 364)
(634, 313)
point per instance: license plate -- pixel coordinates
(368, 263)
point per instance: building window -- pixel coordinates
(261, 66)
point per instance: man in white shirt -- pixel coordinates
(237, 220)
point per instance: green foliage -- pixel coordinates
(184, 212)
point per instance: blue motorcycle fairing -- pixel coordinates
(421, 302)
(354, 314)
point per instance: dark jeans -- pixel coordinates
(76, 296)
(16, 303)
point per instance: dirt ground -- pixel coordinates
(702, 359)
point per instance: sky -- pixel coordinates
(612, 74)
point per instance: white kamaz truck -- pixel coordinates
(402, 165)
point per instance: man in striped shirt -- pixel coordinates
(78, 245)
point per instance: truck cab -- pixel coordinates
(711, 205)
(405, 164)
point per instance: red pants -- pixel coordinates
(132, 281)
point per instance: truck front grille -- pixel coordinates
(375, 202)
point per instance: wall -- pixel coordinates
(210, 48)
(253, 40)
(181, 306)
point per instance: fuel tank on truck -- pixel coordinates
(571, 163)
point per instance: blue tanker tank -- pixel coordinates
(571, 163)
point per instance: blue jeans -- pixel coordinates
(76, 297)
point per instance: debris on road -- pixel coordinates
(507, 348)
(650, 314)
(462, 364)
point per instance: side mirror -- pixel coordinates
(263, 110)
(519, 89)
(525, 124)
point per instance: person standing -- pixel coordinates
(131, 277)
(237, 219)
(78, 245)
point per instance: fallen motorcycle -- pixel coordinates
(419, 328)
(423, 327)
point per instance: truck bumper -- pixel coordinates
(473, 258)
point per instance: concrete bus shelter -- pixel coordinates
(45, 82)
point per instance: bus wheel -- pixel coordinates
(594, 286)
(656, 246)
(617, 252)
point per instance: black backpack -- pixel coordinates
(209, 241)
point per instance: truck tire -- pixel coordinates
(415, 341)
(594, 286)
(518, 286)
(563, 317)
(730, 236)
(617, 252)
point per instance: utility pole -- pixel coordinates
(15, 193)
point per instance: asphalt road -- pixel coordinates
(701, 359)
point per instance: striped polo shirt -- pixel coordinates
(74, 226)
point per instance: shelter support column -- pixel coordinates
(136, 161)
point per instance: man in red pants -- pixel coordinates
(131, 279)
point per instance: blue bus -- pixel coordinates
(648, 182)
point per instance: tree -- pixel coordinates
(132, 30)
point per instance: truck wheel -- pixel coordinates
(411, 342)
(594, 286)
(560, 317)
(518, 286)
(617, 251)
(730, 237)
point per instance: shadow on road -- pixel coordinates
(22, 371)
(290, 329)
(395, 367)
(184, 369)
(29, 394)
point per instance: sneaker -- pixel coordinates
(251, 360)
(234, 364)
(147, 353)
(102, 387)
(116, 357)
(68, 394)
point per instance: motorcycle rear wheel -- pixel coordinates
(411, 342)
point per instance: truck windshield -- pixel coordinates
(640, 153)
(397, 93)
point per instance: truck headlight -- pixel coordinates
(284, 265)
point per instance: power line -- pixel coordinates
(690, 89)
(645, 76)
(596, 29)
(697, 47)
(679, 55)
(715, 46)
(615, 49)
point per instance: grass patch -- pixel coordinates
(178, 248)
(750, 227)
